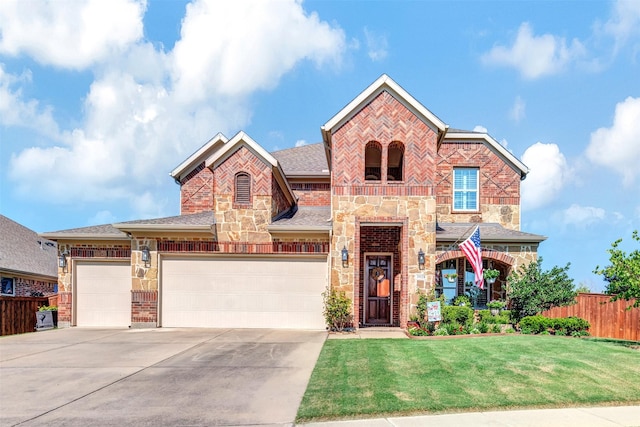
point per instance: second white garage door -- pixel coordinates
(103, 294)
(243, 292)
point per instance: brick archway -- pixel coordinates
(486, 254)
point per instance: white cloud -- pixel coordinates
(146, 109)
(517, 112)
(535, 56)
(249, 46)
(480, 128)
(625, 21)
(301, 142)
(582, 216)
(102, 217)
(69, 33)
(377, 45)
(548, 175)
(618, 147)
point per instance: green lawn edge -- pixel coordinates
(389, 377)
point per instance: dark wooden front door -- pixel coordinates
(378, 289)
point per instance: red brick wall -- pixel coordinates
(280, 202)
(380, 239)
(196, 191)
(499, 183)
(144, 306)
(312, 194)
(24, 286)
(384, 120)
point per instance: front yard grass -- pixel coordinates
(369, 377)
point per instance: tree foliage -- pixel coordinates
(531, 290)
(623, 275)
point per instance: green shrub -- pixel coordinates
(453, 328)
(565, 326)
(48, 308)
(502, 319)
(462, 315)
(495, 328)
(462, 300)
(483, 327)
(337, 310)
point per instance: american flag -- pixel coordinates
(473, 252)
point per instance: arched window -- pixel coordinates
(395, 161)
(373, 161)
(242, 194)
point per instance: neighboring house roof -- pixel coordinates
(304, 218)
(458, 135)
(489, 232)
(305, 161)
(23, 251)
(198, 157)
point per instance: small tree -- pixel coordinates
(337, 310)
(623, 275)
(531, 290)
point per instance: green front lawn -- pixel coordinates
(368, 377)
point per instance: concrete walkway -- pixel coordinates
(610, 416)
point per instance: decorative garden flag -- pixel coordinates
(473, 252)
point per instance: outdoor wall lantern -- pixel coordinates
(146, 256)
(62, 260)
(345, 257)
(421, 259)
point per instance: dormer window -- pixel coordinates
(395, 160)
(465, 189)
(373, 161)
(242, 194)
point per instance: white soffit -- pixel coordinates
(499, 148)
(198, 156)
(383, 83)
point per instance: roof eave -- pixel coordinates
(83, 236)
(10, 271)
(300, 229)
(132, 228)
(198, 157)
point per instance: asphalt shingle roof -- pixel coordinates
(305, 160)
(202, 218)
(22, 250)
(488, 232)
(305, 216)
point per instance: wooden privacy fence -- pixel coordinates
(18, 314)
(608, 319)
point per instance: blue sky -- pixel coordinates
(99, 101)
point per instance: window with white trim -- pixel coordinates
(242, 194)
(465, 189)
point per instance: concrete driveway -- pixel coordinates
(155, 377)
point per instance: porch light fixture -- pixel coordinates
(146, 256)
(62, 260)
(421, 259)
(345, 257)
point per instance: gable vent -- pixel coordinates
(243, 189)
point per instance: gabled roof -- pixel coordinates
(457, 135)
(23, 251)
(242, 139)
(304, 219)
(198, 157)
(489, 232)
(305, 161)
(383, 83)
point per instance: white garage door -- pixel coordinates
(243, 292)
(103, 294)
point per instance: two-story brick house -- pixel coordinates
(262, 235)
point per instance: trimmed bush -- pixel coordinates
(457, 314)
(566, 326)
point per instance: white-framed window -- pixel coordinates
(8, 286)
(465, 189)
